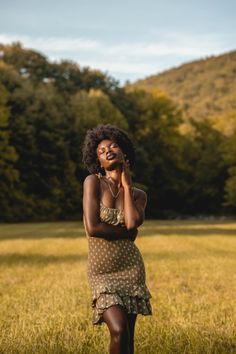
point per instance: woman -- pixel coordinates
(113, 210)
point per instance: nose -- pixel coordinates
(107, 149)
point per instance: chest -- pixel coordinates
(111, 216)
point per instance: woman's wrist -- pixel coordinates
(127, 187)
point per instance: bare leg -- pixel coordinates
(131, 323)
(116, 320)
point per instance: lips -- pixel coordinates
(111, 156)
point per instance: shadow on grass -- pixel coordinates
(68, 230)
(37, 233)
(203, 232)
(37, 259)
(39, 237)
(188, 255)
(42, 230)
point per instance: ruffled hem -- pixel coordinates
(135, 301)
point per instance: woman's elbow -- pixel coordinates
(130, 227)
(134, 224)
(92, 230)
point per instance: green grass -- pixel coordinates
(45, 299)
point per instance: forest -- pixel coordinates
(185, 161)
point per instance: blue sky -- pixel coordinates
(127, 39)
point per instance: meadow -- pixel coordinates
(190, 270)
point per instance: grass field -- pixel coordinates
(45, 299)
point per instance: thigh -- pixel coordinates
(116, 319)
(131, 318)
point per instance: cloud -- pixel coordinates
(118, 66)
(53, 44)
(131, 59)
(171, 45)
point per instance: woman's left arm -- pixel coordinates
(134, 209)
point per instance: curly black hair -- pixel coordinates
(96, 135)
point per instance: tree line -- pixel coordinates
(47, 107)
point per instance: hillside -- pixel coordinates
(204, 88)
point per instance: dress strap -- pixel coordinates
(99, 175)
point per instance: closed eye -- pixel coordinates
(112, 145)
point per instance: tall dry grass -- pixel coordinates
(45, 300)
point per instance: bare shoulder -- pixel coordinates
(91, 181)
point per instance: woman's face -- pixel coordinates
(109, 154)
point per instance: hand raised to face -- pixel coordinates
(126, 180)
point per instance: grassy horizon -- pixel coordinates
(45, 299)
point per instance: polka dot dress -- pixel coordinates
(116, 272)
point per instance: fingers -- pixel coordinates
(125, 166)
(125, 160)
(127, 163)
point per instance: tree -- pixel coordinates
(9, 176)
(160, 167)
(28, 63)
(39, 131)
(229, 154)
(94, 107)
(208, 170)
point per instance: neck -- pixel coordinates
(114, 176)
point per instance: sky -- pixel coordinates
(128, 40)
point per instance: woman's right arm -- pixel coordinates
(91, 209)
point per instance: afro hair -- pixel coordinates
(95, 136)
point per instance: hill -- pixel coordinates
(204, 88)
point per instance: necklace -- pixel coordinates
(114, 196)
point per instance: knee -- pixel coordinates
(120, 333)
